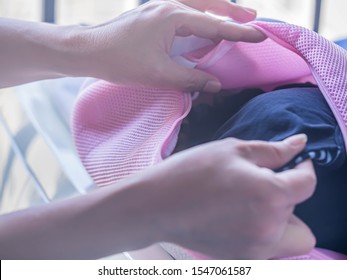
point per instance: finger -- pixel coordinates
(188, 80)
(301, 181)
(223, 8)
(273, 155)
(202, 25)
(297, 239)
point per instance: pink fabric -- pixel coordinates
(243, 65)
(319, 254)
(120, 130)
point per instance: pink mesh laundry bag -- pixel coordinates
(120, 130)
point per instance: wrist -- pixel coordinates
(88, 51)
(162, 198)
(136, 199)
(70, 52)
(66, 51)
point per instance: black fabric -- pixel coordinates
(277, 115)
(326, 211)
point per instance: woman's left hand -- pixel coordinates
(134, 48)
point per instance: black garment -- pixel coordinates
(277, 115)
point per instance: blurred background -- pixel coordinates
(301, 12)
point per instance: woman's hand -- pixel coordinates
(221, 199)
(224, 200)
(134, 48)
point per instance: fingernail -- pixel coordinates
(297, 140)
(251, 11)
(258, 36)
(212, 86)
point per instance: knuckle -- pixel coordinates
(229, 145)
(192, 83)
(277, 154)
(277, 201)
(169, 10)
(271, 199)
(310, 184)
(244, 148)
(270, 196)
(162, 8)
(312, 179)
(273, 150)
(231, 141)
(224, 29)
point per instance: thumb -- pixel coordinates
(190, 80)
(273, 155)
(297, 239)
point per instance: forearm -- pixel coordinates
(105, 222)
(31, 51)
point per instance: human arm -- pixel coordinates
(220, 198)
(133, 48)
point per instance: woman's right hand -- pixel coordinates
(224, 200)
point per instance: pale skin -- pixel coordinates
(35, 51)
(221, 198)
